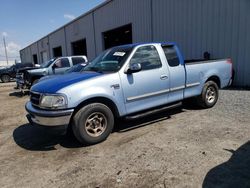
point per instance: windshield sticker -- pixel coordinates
(121, 54)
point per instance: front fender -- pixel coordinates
(98, 92)
(97, 87)
(38, 72)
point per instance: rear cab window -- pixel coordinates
(78, 60)
(171, 55)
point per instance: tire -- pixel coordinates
(35, 82)
(209, 95)
(5, 78)
(93, 123)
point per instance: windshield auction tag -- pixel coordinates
(119, 54)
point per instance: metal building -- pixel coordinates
(221, 27)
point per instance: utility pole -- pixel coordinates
(6, 54)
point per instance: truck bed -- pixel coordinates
(192, 61)
(197, 71)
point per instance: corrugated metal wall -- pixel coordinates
(25, 55)
(43, 46)
(119, 13)
(57, 39)
(221, 27)
(33, 51)
(82, 28)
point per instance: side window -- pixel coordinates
(171, 55)
(148, 57)
(62, 63)
(77, 60)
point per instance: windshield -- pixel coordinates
(47, 64)
(110, 60)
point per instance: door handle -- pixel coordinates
(164, 77)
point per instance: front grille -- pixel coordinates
(35, 98)
(19, 76)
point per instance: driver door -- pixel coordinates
(60, 66)
(149, 87)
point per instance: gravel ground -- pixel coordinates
(186, 147)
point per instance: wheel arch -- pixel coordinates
(216, 79)
(32, 78)
(103, 100)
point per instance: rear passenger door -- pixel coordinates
(149, 87)
(176, 72)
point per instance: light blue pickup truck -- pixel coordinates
(128, 81)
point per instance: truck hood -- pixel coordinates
(26, 69)
(6, 69)
(54, 84)
(37, 70)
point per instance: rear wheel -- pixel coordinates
(93, 123)
(209, 95)
(5, 78)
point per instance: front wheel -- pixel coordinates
(209, 95)
(93, 123)
(5, 78)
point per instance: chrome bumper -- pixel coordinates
(48, 118)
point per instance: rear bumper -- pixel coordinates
(56, 118)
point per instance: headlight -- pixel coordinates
(53, 101)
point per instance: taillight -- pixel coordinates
(229, 61)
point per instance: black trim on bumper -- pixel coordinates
(60, 129)
(60, 118)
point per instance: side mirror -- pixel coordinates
(133, 68)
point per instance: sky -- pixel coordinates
(25, 21)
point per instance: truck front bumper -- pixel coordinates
(55, 118)
(19, 84)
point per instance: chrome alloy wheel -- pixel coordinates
(96, 124)
(211, 94)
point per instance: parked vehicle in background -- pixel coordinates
(9, 73)
(128, 81)
(3, 67)
(28, 77)
(75, 68)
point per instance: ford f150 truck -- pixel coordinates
(126, 81)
